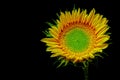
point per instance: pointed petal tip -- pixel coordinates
(42, 40)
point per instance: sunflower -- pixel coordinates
(77, 36)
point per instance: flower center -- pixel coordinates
(76, 40)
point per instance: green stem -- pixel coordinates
(85, 69)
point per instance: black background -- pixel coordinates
(42, 67)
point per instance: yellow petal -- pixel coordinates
(91, 56)
(67, 14)
(78, 12)
(104, 21)
(52, 48)
(48, 40)
(83, 16)
(74, 13)
(54, 55)
(102, 39)
(55, 29)
(62, 18)
(102, 31)
(60, 27)
(52, 45)
(53, 33)
(97, 19)
(102, 46)
(90, 16)
(99, 27)
(80, 59)
(76, 59)
(57, 51)
(78, 15)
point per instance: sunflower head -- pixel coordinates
(77, 36)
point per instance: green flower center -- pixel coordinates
(76, 40)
